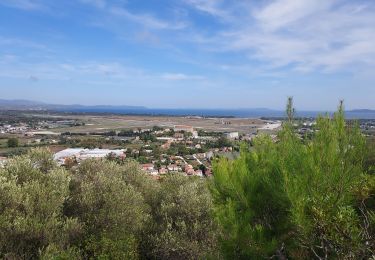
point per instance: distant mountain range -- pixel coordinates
(362, 111)
(20, 104)
(141, 110)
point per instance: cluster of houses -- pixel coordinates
(179, 165)
(186, 169)
(36, 128)
(367, 124)
(14, 129)
(151, 169)
(183, 164)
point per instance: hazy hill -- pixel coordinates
(20, 104)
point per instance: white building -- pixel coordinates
(172, 139)
(3, 161)
(173, 168)
(232, 135)
(100, 153)
(83, 154)
(61, 156)
(272, 125)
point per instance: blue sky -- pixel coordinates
(189, 53)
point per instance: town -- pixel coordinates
(159, 145)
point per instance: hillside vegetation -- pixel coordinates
(101, 210)
(289, 199)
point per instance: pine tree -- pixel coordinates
(298, 200)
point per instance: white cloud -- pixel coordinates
(281, 13)
(180, 76)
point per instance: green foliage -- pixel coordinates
(251, 206)
(369, 163)
(321, 188)
(181, 226)
(222, 141)
(13, 142)
(109, 248)
(90, 143)
(179, 149)
(298, 200)
(56, 253)
(31, 207)
(290, 111)
(112, 210)
(147, 137)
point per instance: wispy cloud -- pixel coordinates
(308, 35)
(94, 70)
(116, 13)
(146, 20)
(19, 42)
(97, 3)
(223, 10)
(180, 76)
(212, 7)
(281, 13)
(23, 4)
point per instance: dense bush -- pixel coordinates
(182, 226)
(100, 210)
(31, 207)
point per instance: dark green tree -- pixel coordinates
(13, 142)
